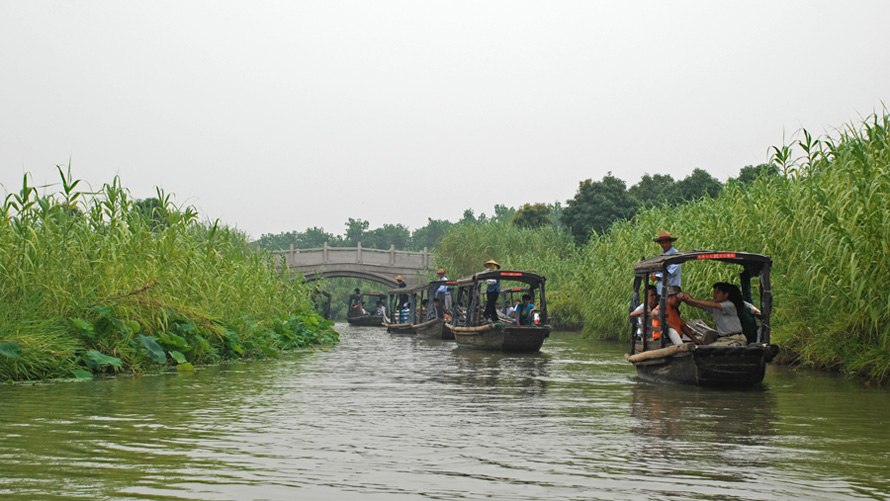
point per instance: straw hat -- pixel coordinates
(441, 271)
(664, 235)
(493, 263)
(399, 278)
(673, 289)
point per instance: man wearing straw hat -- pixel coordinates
(403, 298)
(443, 294)
(492, 291)
(666, 241)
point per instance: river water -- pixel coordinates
(382, 416)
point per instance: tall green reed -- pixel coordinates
(90, 284)
(826, 224)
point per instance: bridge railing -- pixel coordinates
(294, 258)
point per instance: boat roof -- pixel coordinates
(369, 294)
(753, 262)
(422, 286)
(526, 277)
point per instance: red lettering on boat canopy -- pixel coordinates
(725, 255)
(509, 274)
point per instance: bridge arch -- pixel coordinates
(389, 282)
(376, 265)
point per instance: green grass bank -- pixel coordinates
(93, 282)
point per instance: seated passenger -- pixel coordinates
(651, 306)
(728, 309)
(676, 326)
(525, 311)
(511, 310)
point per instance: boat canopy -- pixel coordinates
(753, 263)
(531, 279)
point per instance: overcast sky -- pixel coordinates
(278, 116)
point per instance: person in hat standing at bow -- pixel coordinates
(443, 294)
(492, 291)
(403, 298)
(666, 241)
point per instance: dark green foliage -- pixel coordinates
(655, 190)
(697, 185)
(355, 231)
(596, 205)
(750, 173)
(396, 235)
(429, 236)
(532, 216)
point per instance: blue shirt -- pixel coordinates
(524, 311)
(443, 289)
(673, 278)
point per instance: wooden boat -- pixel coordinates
(433, 329)
(356, 314)
(471, 331)
(412, 312)
(703, 365)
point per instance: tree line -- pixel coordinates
(593, 209)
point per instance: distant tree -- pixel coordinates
(696, 185)
(532, 216)
(596, 206)
(502, 213)
(469, 218)
(656, 190)
(277, 241)
(750, 173)
(387, 235)
(314, 238)
(429, 236)
(355, 231)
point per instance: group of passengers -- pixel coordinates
(733, 316)
(522, 313)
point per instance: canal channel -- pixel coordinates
(381, 416)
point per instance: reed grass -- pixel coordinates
(826, 224)
(89, 284)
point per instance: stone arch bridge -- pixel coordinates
(376, 265)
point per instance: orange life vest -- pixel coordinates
(656, 325)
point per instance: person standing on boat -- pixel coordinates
(443, 294)
(404, 297)
(666, 241)
(492, 291)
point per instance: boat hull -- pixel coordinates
(400, 328)
(433, 329)
(366, 321)
(711, 366)
(500, 337)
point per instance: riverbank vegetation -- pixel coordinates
(94, 282)
(823, 216)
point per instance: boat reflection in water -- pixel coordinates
(522, 374)
(706, 434)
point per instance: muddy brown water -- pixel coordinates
(391, 417)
